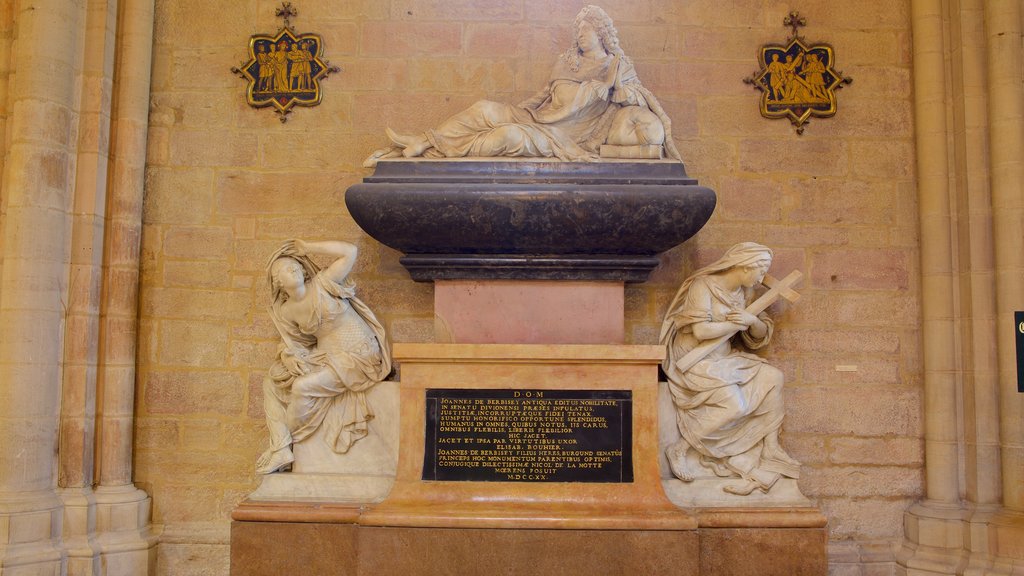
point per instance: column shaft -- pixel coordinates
(1006, 118)
(937, 302)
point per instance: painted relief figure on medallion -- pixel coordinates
(332, 351)
(594, 106)
(728, 401)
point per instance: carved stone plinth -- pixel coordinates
(639, 504)
(483, 527)
(327, 539)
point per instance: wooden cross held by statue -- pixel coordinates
(776, 289)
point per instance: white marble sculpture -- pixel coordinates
(332, 351)
(594, 106)
(728, 402)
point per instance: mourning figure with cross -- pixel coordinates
(728, 401)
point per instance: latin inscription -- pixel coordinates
(529, 435)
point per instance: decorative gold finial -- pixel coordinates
(287, 12)
(794, 21)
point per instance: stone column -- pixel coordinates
(124, 233)
(933, 528)
(936, 254)
(37, 188)
(974, 232)
(123, 510)
(1006, 120)
(76, 452)
(961, 528)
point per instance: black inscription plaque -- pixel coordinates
(529, 435)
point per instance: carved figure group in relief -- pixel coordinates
(283, 69)
(593, 106)
(332, 351)
(728, 401)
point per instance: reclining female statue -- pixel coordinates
(594, 98)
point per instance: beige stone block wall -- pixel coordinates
(226, 184)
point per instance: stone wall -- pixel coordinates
(226, 183)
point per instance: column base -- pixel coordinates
(942, 539)
(107, 532)
(30, 528)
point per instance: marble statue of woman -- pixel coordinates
(728, 405)
(332, 351)
(593, 98)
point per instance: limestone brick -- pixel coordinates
(156, 433)
(340, 38)
(642, 332)
(861, 481)
(254, 397)
(865, 370)
(188, 502)
(193, 559)
(867, 412)
(209, 147)
(840, 201)
(496, 40)
(192, 392)
(188, 24)
(203, 435)
(412, 330)
(749, 198)
(455, 10)
(730, 115)
(808, 449)
(744, 14)
(196, 274)
(894, 451)
(830, 157)
(849, 341)
(891, 158)
(864, 518)
(246, 192)
(252, 354)
(195, 303)
(861, 269)
(398, 39)
(461, 75)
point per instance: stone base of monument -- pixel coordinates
(272, 548)
(327, 539)
(524, 459)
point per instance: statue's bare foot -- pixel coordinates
(676, 455)
(380, 155)
(412, 146)
(277, 461)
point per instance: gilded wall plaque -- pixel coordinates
(797, 80)
(284, 69)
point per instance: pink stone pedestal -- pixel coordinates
(528, 312)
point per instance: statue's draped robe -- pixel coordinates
(568, 120)
(728, 402)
